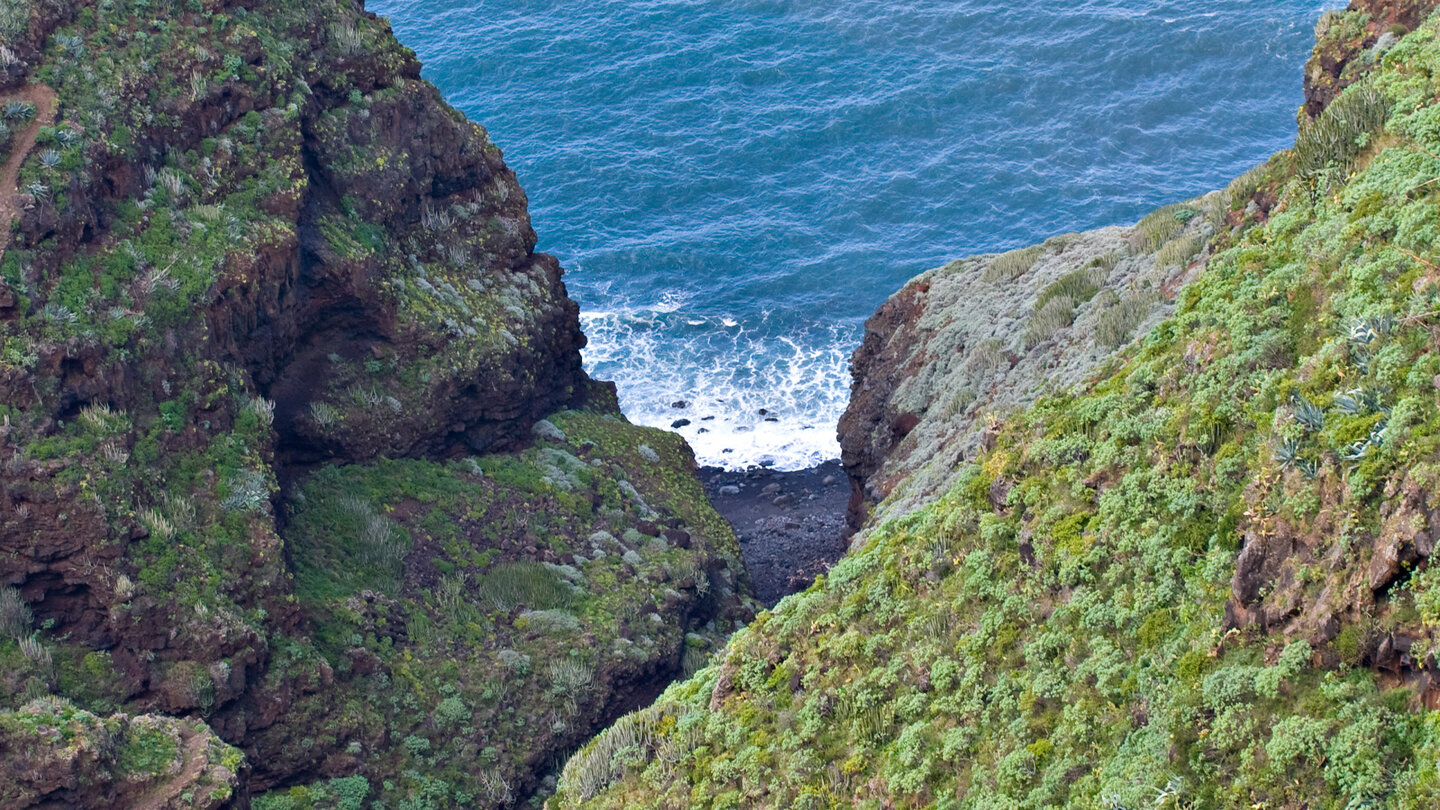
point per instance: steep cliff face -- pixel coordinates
(273, 334)
(958, 348)
(1200, 576)
(1348, 43)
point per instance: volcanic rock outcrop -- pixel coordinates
(274, 340)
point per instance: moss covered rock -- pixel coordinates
(273, 337)
(53, 754)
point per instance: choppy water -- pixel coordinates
(735, 185)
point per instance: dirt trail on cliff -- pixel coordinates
(195, 762)
(45, 105)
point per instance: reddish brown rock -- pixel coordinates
(1345, 42)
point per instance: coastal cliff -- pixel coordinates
(276, 357)
(1175, 559)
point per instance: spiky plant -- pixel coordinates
(1336, 138)
(20, 111)
(1117, 323)
(1287, 452)
(1307, 413)
(15, 615)
(1012, 265)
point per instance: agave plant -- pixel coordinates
(1307, 413)
(50, 159)
(1356, 451)
(1349, 402)
(19, 111)
(1287, 452)
(1366, 331)
(1379, 434)
(67, 137)
(71, 45)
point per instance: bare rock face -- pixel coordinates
(960, 346)
(1348, 42)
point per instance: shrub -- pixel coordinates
(1243, 188)
(1118, 322)
(325, 415)
(1012, 265)
(1341, 133)
(249, 491)
(569, 676)
(1179, 252)
(1079, 286)
(14, 19)
(15, 615)
(1159, 227)
(1057, 314)
(379, 544)
(549, 621)
(526, 583)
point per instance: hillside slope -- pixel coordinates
(1198, 579)
(275, 353)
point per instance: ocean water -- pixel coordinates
(735, 185)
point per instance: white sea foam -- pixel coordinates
(754, 395)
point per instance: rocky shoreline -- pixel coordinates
(791, 525)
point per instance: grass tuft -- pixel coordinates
(525, 583)
(1012, 265)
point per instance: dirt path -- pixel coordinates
(195, 762)
(45, 102)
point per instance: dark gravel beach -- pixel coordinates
(791, 525)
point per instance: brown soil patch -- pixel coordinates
(45, 103)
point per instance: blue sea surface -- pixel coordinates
(735, 185)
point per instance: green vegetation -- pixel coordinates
(1074, 624)
(1012, 265)
(1341, 133)
(113, 759)
(1055, 306)
(435, 632)
(477, 611)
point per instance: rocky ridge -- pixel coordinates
(946, 358)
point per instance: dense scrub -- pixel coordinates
(1200, 580)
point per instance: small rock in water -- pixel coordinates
(729, 489)
(704, 430)
(763, 411)
(772, 419)
(679, 423)
(707, 419)
(680, 403)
